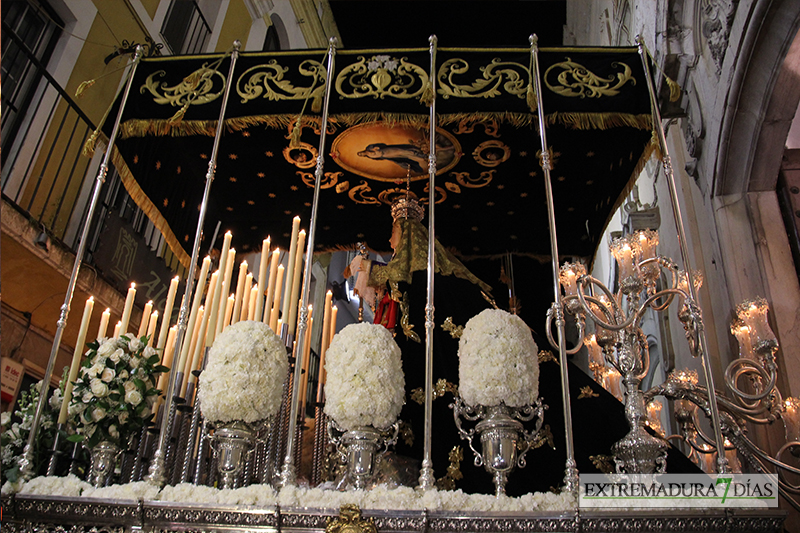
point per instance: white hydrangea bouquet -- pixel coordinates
(243, 379)
(365, 384)
(498, 361)
(115, 391)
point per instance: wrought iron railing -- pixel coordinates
(42, 170)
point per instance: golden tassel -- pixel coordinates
(82, 88)
(177, 117)
(427, 94)
(297, 130)
(88, 146)
(530, 96)
(674, 89)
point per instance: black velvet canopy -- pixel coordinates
(490, 193)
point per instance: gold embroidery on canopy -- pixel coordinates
(381, 76)
(267, 81)
(575, 80)
(196, 88)
(511, 77)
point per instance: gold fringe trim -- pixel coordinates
(600, 121)
(149, 208)
(173, 127)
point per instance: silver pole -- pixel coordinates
(571, 471)
(722, 461)
(288, 475)
(157, 465)
(427, 480)
(26, 461)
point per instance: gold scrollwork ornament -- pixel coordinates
(465, 180)
(381, 76)
(575, 80)
(358, 194)
(329, 179)
(196, 88)
(267, 81)
(491, 153)
(511, 77)
(350, 521)
(303, 155)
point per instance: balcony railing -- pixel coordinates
(42, 170)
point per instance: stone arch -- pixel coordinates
(764, 95)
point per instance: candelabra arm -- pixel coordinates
(551, 314)
(472, 414)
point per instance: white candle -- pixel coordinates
(251, 311)
(151, 328)
(148, 308)
(104, 318)
(187, 365)
(170, 303)
(273, 274)
(262, 280)
(223, 262)
(276, 304)
(246, 292)
(237, 303)
(76, 358)
(226, 284)
(296, 277)
(229, 309)
(117, 328)
(290, 268)
(198, 296)
(166, 360)
(126, 313)
(334, 313)
(213, 304)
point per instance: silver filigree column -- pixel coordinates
(697, 319)
(426, 478)
(288, 474)
(571, 471)
(156, 473)
(26, 461)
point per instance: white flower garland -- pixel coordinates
(381, 497)
(498, 361)
(365, 384)
(244, 377)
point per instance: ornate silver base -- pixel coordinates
(504, 440)
(51, 514)
(232, 441)
(104, 460)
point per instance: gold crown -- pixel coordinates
(407, 207)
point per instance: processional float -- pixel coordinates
(590, 91)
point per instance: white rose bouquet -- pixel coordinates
(498, 361)
(115, 391)
(365, 384)
(244, 377)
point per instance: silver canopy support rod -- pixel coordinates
(156, 473)
(722, 461)
(288, 474)
(26, 461)
(426, 478)
(571, 471)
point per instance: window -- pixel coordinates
(185, 30)
(30, 31)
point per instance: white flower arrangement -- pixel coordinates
(365, 384)
(498, 361)
(244, 377)
(114, 393)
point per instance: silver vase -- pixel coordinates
(504, 440)
(104, 461)
(360, 450)
(232, 441)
